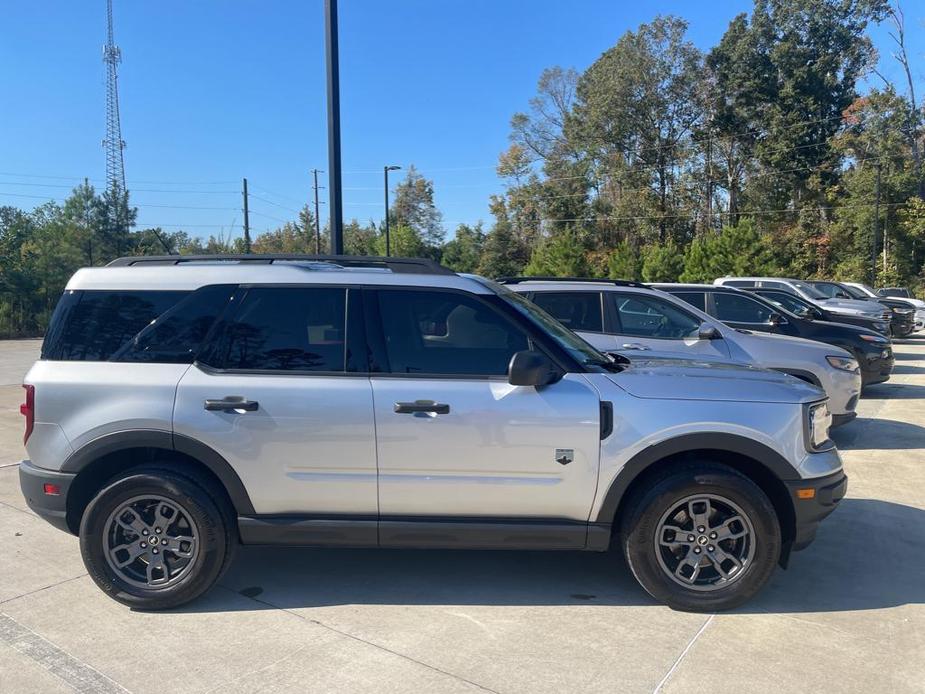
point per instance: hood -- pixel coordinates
(687, 379)
(869, 308)
(790, 345)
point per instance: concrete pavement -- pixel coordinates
(848, 616)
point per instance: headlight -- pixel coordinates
(874, 338)
(843, 363)
(903, 311)
(818, 421)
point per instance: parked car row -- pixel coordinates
(184, 405)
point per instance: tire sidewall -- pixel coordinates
(639, 539)
(212, 541)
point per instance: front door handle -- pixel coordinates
(427, 406)
(634, 345)
(231, 403)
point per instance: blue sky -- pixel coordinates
(215, 90)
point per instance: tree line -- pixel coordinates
(781, 150)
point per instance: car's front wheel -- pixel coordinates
(155, 538)
(701, 538)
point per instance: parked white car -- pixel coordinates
(640, 322)
(917, 304)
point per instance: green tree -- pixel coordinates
(414, 208)
(463, 252)
(560, 255)
(503, 253)
(624, 262)
(662, 263)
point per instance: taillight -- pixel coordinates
(28, 411)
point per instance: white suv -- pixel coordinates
(640, 322)
(184, 405)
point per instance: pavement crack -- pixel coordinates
(39, 590)
(690, 644)
(368, 643)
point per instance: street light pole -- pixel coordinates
(331, 54)
(385, 171)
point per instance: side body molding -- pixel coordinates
(728, 443)
(153, 438)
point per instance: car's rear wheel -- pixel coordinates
(155, 538)
(701, 538)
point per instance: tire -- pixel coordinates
(139, 563)
(703, 588)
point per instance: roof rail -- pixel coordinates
(619, 283)
(421, 266)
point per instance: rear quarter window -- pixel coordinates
(94, 325)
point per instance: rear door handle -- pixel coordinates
(428, 406)
(231, 403)
(634, 345)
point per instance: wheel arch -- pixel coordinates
(107, 456)
(761, 464)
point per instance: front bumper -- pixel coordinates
(876, 365)
(827, 491)
(51, 507)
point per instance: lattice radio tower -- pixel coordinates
(114, 144)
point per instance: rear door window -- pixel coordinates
(297, 329)
(575, 310)
(695, 299)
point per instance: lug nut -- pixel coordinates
(154, 550)
(144, 545)
(696, 550)
(700, 529)
(690, 538)
(144, 532)
(157, 530)
(713, 536)
(710, 548)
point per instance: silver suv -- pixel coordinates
(182, 406)
(640, 322)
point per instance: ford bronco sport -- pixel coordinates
(185, 405)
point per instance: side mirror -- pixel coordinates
(709, 332)
(530, 369)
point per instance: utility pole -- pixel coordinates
(873, 266)
(385, 171)
(247, 222)
(333, 69)
(315, 173)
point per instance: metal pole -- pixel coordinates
(331, 54)
(385, 171)
(247, 222)
(317, 218)
(873, 267)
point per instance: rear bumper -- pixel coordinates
(827, 492)
(51, 507)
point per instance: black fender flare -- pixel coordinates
(155, 438)
(773, 461)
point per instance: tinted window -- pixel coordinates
(94, 325)
(445, 333)
(175, 336)
(734, 308)
(695, 299)
(738, 283)
(788, 301)
(575, 310)
(650, 316)
(285, 329)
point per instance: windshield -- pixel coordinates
(567, 340)
(856, 292)
(809, 290)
